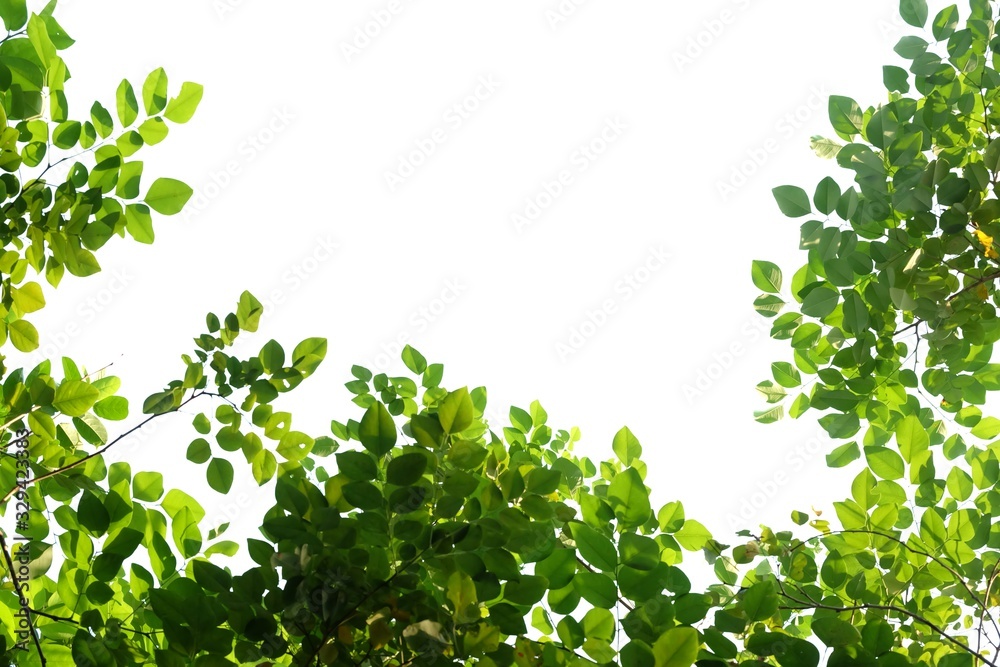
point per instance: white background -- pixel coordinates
(704, 94)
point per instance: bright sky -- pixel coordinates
(557, 200)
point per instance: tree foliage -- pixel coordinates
(892, 324)
(416, 532)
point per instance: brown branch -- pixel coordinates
(903, 544)
(901, 610)
(20, 596)
(98, 452)
(907, 328)
(811, 604)
(939, 561)
(989, 585)
(977, 283)
(67, 619)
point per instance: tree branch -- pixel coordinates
(20, 596)
(53, 473)
(899, 610)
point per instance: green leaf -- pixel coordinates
(363, 495)
(161, 402)
(272, 356)
(248, 311)
(406, 469)
(88, 650)
(357, 466)
(152, 131)
(677, 647)
(176, 500)
(770, 415)
(959, 484)
(185, 532)
(932, 528)
(820, 301)
(508, 618)
(760, 601)
(154, 92)
(414, 360)
(856, 317)
(823, 147)
(75, 397)
(766, 276)
(885, 462)
(308, 355)
(148, 486)
(377, 430)
(263, 466)
(66, 134)
(38, 35)
(792, 200)
(800, 653)
(629, 498)
(456, 411)
(692, 535)
(671, 517)
(895, 78)
(14, 14)
(987, 428)
(834, 632)
(768, 305)
(542, 481)
(212, 577)
(199, 451)
(181, 108)
(626, 446)
(913, 12)
(639, 552)
(220, 475)
(827, 196)
(92, 514)
(23, 335)
(56, 33)
(845, 116)
(294, 446)
(520, 419)
(128, 182)
(945, 23)
(596, 588)
(785, 374)
(168, 196)
(596, 549)
(128, 108)
(461, 591)
(139, 223)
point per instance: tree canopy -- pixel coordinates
(416, 532)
